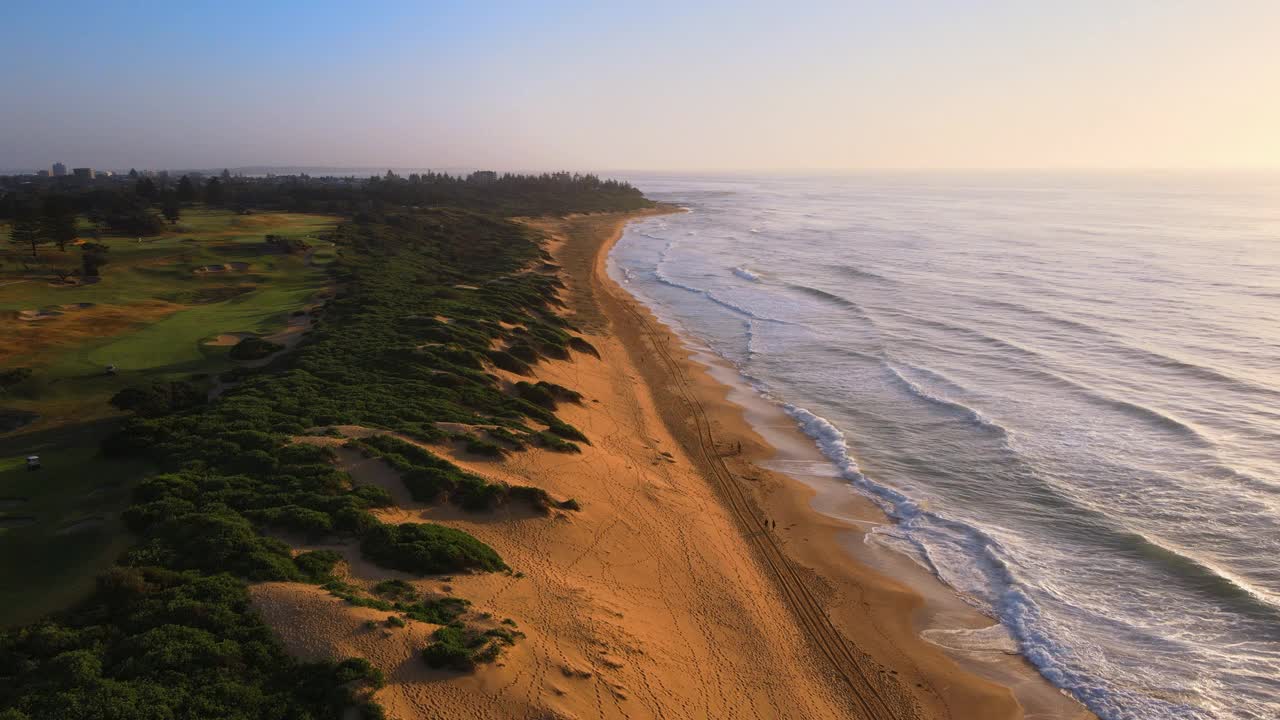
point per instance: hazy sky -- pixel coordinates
(645, 84)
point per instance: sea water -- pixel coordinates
(1064, 390)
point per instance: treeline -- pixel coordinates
(46, 213)
(427, 296)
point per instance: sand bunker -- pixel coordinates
(53, 311)
(228, 267)
(229, 339)
(31, 315)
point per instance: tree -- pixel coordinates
(186, 190)
(59, 221)
(94, 257)
(213, 192)
(25, 231)
(226, 176)
(170, 207)
(133, 173)
(61, 229)
(146, 188)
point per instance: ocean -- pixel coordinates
(1064, 389)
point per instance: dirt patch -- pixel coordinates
(32, 315)
(28, 340)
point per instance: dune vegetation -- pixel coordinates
(423, 300)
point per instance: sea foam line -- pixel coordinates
(1007, 598)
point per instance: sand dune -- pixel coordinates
(666, 595)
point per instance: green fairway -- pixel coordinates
(158, 302)
(175, 340)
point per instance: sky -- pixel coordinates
(652, 85)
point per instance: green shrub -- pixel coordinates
(317, 565)
(160, 399)
(509, 362)
(552, 442)
(583, 346)
(428, 549)
(395, 590)
(437, 611)
(254, 348)
(478, 446)
(504, 435)
(461, 648)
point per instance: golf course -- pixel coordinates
(162, 308)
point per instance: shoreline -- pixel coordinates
(880, 600)
(662, 594)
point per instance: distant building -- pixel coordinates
(483, 177)
(42, 173)
(59, 170)
(83, 173)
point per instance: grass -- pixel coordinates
(151, 315)
(55, 557)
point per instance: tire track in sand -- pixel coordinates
(855, 668)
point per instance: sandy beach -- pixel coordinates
(694, 582)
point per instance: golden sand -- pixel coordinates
(671, 593)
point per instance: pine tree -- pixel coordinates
(58, 221)
(60, 229)
(213, 192)
(25, 232)
(170, 207)
(186, 190)
(146, 188)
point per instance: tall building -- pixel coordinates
(59, 169)
(83, 173)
